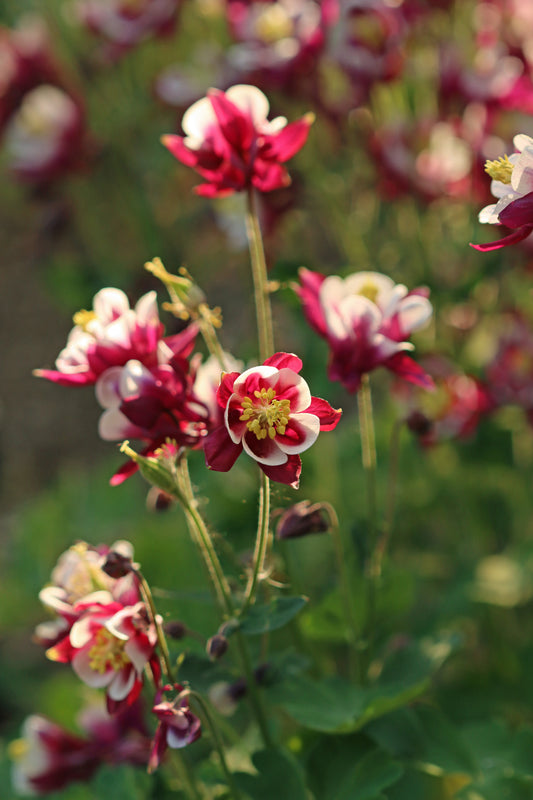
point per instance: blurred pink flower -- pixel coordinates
(123, 24)
(48, 758)
(366, 319)
(230, 142)
(270, 414)
(178, 726)
(509, 374)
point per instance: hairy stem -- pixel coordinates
(260, 280)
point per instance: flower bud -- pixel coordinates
(117, 565)
(419, 424)
(216, 646)
(175, 629)
(159, 501)
(156, 469)
(301, 519)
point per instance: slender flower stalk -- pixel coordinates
(261, 543)
(200, 535)
(343, 566)
(156, 620)
(217, 739)
(260, 280)
(368, 445)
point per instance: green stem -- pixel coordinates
(346, 594)
(391, 496)
(201, 536)
(209, 335)
(186, 775)
(217, 738)
(261, 542)
(161, 639)
(260, 279)
(368, 445)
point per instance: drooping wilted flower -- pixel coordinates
(366, 319)
(231, 143)
(270, 414)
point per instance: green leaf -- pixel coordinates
(425, 736)
(349, 767)
(279, 777)
(273, 615)
(336, 706)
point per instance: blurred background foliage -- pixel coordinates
(461, 553)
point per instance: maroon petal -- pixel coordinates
(220, 452)
(309, 294)
(329, 417)
(513, 238)
(409, 370)
(175, 144)
(519, 212)
(290, 139)
(288, 473)
(236, 126)
(225, 390)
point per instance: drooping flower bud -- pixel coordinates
(302, 519)
(216, 646)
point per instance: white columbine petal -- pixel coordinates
(251, 100)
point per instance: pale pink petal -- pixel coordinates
(414, 313)
(253, 372)
(146, 310)
(265, 451)
(122, 683)
(110, 303)
(301, 432)
(250, 99)
(93, 678)
(235, 426)
(139, 650)
(290, 386)
(114, 425)
(107, 388)
(196, 122)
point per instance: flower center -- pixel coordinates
(82, 318)
(500, 170)
(107, 652)
(265, 416)
(369, 290)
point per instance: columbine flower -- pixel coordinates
(270, 414)
(366, 319)
(109, 646)
(512, 184)
(177, 728)
(230, 142)
(111, 334)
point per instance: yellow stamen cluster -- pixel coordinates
(266, 416)
(500, 170)
(369, 290)
(83, 318)
(107, 652)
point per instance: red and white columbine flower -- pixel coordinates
(231, 143)
(512, 185)
(270, 414)
(366, 319)
(109, 645)
(111, 334)
(177, 728)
